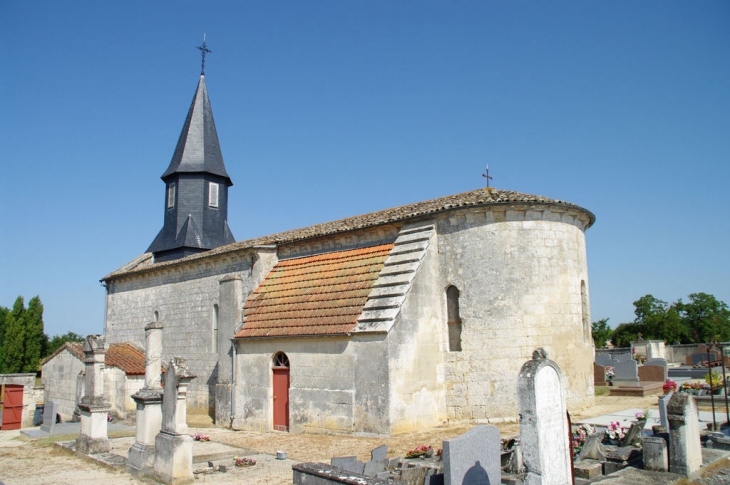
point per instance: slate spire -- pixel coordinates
(196, 195)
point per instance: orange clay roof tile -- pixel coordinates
(124, 356)
(314, 295)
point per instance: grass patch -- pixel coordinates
(602, 390)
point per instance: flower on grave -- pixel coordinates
(419, 451)
(201, 437)
(641, 415)
(670, 385)
(614, 431)
(244, 461)
(580, 436)
(713, 379)
(610, 373)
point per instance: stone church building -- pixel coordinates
(375, 324)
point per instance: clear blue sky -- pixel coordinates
(328, 109)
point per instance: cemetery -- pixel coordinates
(658, 444)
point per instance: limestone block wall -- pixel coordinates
(59, 381)
(183, 297)
(119, 388)
(335, 384)
(523, 283)
(416, 353)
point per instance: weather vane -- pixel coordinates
(486, 176)
(203, 51)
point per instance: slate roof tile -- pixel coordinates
(314, 295)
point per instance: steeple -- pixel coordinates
(196, 196)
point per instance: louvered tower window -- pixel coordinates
(213, 194)
(171, 196)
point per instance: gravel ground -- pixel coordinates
(41, 463)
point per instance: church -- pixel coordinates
(376, 324)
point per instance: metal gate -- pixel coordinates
(12, 407)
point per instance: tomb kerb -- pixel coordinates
(141, 461)
(94, 406)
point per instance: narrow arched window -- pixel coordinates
(280, 360)
(453, 319)
(215, 328)
(585, 313)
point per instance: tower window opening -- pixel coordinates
(171, 196)
(213, 194)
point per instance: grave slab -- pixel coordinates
(473, 457)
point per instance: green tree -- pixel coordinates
(58, 340)
(35, 339)
(3, 314)
(601, 332)
(13, 347)
(625, 333)
(706, 318)
(650, 315)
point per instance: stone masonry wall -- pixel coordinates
(59, 381)
(519, 275)
(416, 346)
(183, 298)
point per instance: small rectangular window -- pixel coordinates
(171, 196)
(213, 194)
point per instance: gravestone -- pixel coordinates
(343, 461)
(698, 358)
(627, 371)
(663, 401)
(655, 453)
(544, 428)
(141, 461)
(657, 361)
(474, 457)
(379, 453)
(652, 373)
(373, 467)
(80, 391)
(599, 375)
(94, 406)
(416, 476)
(50, 409)
(655, 349)
(625, 357)
(633, 435)
(593, 448)
(173, 450)
(685, 452)
(603, 359)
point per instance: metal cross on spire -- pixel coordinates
(486, 176)
(203, 51)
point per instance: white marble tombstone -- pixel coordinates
(173, 450)
(544, 435)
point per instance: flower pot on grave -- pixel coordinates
(717, 390)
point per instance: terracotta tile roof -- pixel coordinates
(125, 356)
(314, 295)
(479, 197)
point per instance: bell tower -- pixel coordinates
(196, 186)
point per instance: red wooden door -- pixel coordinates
(12, 407)
(281, 398)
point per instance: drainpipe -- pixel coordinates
(233, 382)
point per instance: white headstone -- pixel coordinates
(544, 436)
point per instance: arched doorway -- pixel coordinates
(280, 368)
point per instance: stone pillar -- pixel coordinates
(141, 461)
(685, 449)
(544, 433)
(173, 450)
(80, 391)
(230, 307)
(94, 406)
(181, 422)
